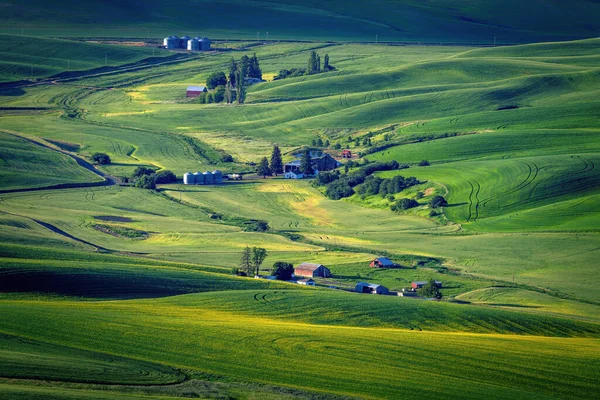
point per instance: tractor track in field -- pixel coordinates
(531, 176)
(474, 201)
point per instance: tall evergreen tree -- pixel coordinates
(326, 63)
(276, 162)
(318, 63)
(241, 88)
(305, 163)
(246, 261)
(243, 65)
(254, 70)
(228, 93)
(232, 69)
(312, 67)
(263, 168)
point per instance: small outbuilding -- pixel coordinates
(420, 284)
(365, 287)
(382, 262)
(346, 154)
(306, 282)
(310, 270)
(194, 91)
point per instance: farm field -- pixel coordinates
(108, 290)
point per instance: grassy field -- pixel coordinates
(170, 333)
(119, 292)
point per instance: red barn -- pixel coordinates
(346, 154)
(194, 91)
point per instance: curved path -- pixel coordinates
(108, 180)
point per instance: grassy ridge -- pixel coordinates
(25, 165)
(31, 57)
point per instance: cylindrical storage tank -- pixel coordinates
(193, 45)
(217, 176)
(197, 38)
(172, 42)
(166, 41)
(208, 178)
(199, 178)
(205, 44)
(188, 178)
(183, 41)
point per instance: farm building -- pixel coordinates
(322, 162)
(206, 178)
(306, 282)
(420, 284)
(382, 262)
(194, 91)
(309, 270)
(365, 287)
(346, 154)
(408, 293)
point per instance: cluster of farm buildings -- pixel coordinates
(307, 271)
(319, 162)
(187, 43)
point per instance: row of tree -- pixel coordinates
(148, 178)
(231, 87)
(313, 67)
(252, 259)
(275, 165)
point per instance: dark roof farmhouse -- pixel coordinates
(382, 262)
(322, 162)
(309, 270)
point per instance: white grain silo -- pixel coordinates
(199, 178)
(217, 176)
(188, 179)
(208, 178)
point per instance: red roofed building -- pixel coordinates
(309, 270)
(346, 154)
(194, 91)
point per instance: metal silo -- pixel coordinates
(217, 176)
(199, 178)
(183, 41)
(193, 45)
(188, 178)
(208, 178)
(166, 41)
(205, 44)
(172, 42)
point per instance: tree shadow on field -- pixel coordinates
(456, 204)
(13, 92)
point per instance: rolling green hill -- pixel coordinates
(402, 20)
(121, 292)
